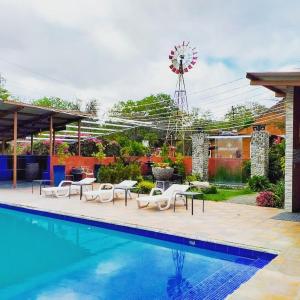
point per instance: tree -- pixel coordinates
(56, 102)
(91, 107)
(244, 115)
(4, 94)
(154, 108)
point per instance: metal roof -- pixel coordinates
(33, 119)
(275, 81)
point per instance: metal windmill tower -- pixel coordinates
(183, 57)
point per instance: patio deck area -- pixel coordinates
(247, 226)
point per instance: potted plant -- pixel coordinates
(162, 171)
(99, 155)
(59, 170)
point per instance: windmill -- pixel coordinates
(183, 58)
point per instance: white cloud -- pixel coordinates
(114, 50)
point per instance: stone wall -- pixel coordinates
(200, 155)
(259, 149)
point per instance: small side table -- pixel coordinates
(40, 182)
(120, 187)
(192, 196)
(81, 185)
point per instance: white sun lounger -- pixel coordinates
(67, 187)
(165, 199)
(107, 191)
(62, 190)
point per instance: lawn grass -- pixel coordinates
(225, 194)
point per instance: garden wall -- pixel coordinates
(89, 162)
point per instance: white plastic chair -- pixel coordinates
(165, 199)
(106, 191)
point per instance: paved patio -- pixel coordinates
(228, 223)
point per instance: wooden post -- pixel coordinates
(31, 144)
(3, 147)
(15, 150)
(79, 137)
(53, 146)
(51, 138)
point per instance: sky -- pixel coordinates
(117, 50)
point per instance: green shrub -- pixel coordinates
(276, 162)
(246, 170)
(118, 172)
(145, 187)
(210, 190)
(258, 183)
(178, 165)
(134, 148)
(193, 177)
(279, 191)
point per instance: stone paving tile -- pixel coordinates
(223, 222)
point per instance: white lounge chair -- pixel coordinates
(107, 191)
(165, 199)
(62, 190)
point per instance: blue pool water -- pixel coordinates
(48, 258)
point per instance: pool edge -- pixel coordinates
(224, 247)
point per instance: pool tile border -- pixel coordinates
(208, 245)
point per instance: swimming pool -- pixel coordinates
(50, 256)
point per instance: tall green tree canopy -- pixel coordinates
(244, 115)
(4, 94)
(56, 102)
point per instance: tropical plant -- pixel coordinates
(279, 192)
(178, 165)
(100, 154)
(258, 183)
(193, 177)
(162, 165)
(266, 198)
(210, 190)
(62, 152)
(133, 148)
(89, 146)
(117, 172)
(246, 170)
(276, 161)
(112, 148)
(145, 187)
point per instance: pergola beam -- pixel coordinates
(282, 83)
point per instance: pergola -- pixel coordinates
(20, 120)
(287, 85)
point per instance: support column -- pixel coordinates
(259, 150)
(200, 154)
(31, 144)
(79, 138)
(15, 149)
(51, 137)
(292, 150)
(53, 142)
(3, 147)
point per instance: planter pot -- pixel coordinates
(96, 170)
(59, 172)
(162, 174)
(32, 171)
